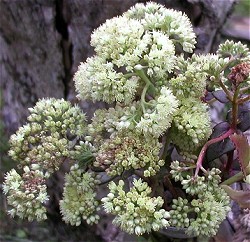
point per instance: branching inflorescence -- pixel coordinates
(160, 101)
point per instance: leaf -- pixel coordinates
(243, 150)
(241, 197)
(221, 96)
(220, 129)
(218, 149)
(244, 121)
(244, 116)
(209, 96)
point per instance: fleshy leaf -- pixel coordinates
(221, 96)
(243, 150)
(216, 150)
(244, 116)
(241, 197)
(209, 96)
(220, 129)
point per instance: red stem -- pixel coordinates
(204, 148)
(244, 99)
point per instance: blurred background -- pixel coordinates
(41, 44)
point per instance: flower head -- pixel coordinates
(135, 211)
(26, 194)
(45, 140)
(79, 200)
(175, 24)
(97, 79)
(129, 150)
(159, 115)
(191, 125)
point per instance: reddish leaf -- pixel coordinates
(243, 150)
(241, 197)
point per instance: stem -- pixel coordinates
(143, 76)
(108, 180)
(128, 75)
(244, 89)
(153, 182)
(204, 148)
(228, 93)
(244, 99)
(235, 109)
(148, 85)
(164, 151)
(140, 174)
(170, 187)
(143, 95)
(237, 177)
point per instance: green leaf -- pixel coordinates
(243, 150)
(241, 197)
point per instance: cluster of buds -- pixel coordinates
(203, 214)
(79, 197)
(136, 212)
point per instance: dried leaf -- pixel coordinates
(241, 197)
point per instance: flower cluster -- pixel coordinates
(138, 40)
(158, 117)
(191, 125)
(234, 50)
(157, 106)
(192, 75)
(97, 79)
(113, 120)
(129, 151)
(179, 213)
(45, 139)
(26, 194)
(203, 214)
(58, 115)
(83, 152)
(79, 197)
(176, 24)
(52, 134)
(122, 40)
(127, 43)
(135, 211)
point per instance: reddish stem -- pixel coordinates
(204, 148)
(244, 99)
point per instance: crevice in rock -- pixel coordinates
(66, 45)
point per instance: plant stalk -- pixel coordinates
(205, 147)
